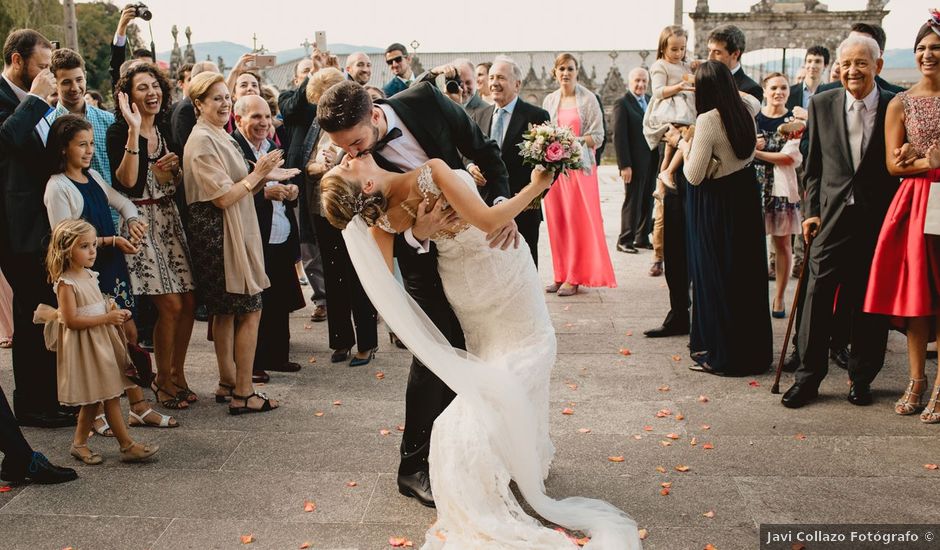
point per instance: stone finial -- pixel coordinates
(877, 5)
(701, 6)
(643, 55)
(613, 86)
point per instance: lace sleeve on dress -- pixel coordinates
(426, 184)
(384, 224)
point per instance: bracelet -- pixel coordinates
(113, 240)
(130, 151)
(247, 186)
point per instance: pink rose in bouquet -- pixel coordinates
(554, 152)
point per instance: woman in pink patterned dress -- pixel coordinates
(905, 273)
(573, 205)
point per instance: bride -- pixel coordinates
(497, 428)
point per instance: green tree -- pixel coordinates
(45, 16)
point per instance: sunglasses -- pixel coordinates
(393, 60)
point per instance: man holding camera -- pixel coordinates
(119, 44)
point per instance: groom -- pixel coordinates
(402, 133)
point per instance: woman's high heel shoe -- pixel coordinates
(224, 398)
(361, 361)
(931, 415)
(911, 401)
(393, 339)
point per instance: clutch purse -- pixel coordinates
(932, 218)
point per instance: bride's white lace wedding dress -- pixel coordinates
(497, 428)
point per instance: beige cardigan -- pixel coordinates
(212, 164)
(64, 201)
(711, 140)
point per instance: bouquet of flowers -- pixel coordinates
(555, 148)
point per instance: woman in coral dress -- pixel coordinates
(905, 273)
(573, 205)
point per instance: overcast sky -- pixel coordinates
(459, 25)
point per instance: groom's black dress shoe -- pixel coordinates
(840, 357)
(37, 470)
(54, 419)
(860, 394)
(417, 486)
(666, 330)
(799, 395)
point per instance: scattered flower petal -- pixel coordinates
(312, 360)
(5, 489)
(625, 351)
(680, 416)
(400, 542)
(566, 308)
(379, 375)
(351, 483)
(754, 384)
(673, 436)
(663, 413)
(703, 399)
(307, 327)
(677, 358)
(931, 466)
(799, 437)
(706, 427)
(666, 443)
(318, 414)
(629, 333)
(708, 446)
(584, 430)
(660, 469)
(567, 411)
(247, 539)
(693, 442)
(681, 468)
(643, 534)
(337, 403)
(304, 546)
(663, 388)
(310, 506)
(709, 514)
(440, 535)
(571, 385)
(647, 428)
(384, 432)
(710, 547)
(638, 437)
(666, 485)
(400, 427)
(615, 458)
(664, 492)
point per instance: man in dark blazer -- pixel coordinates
(505, 80)
(399, 62)
(726, 44)
(815, 63)
(274, 206)
(402, 133)
(24, 228)
(636, 162)
(848, 193)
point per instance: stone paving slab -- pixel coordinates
(217, 477)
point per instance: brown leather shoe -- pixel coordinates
(319, 314)
(656, 269)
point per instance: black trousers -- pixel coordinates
(674, 256)
(427, 396)
(346, 301)
(13, 445)
(278, 301)
(529, 222)
(34, 369)
(841, 259)
(636, 213)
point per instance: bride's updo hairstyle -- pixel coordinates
(342, 199)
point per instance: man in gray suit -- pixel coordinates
(848, 193)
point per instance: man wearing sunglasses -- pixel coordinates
(399, 62)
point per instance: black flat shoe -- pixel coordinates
(38, 470)
(418, 487)
(339, 355)
(55, 419)
(628, 248)
(860, 394)
(799, 395)
(285, 367)
(260, 377)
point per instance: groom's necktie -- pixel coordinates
(392, 134)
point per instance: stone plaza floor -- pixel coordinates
(750, 461)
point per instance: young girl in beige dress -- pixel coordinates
(90, 352)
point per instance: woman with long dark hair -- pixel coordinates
(731, 332)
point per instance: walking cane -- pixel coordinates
(775, 389)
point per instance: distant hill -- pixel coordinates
(230, 51)
(899, 59)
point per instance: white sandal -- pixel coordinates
(138, 420)
(105, 429)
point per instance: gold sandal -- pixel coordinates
(91, 459)
(931, 415)
(911, 401)
(147, 451)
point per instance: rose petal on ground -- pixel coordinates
(379, 375)
(384, 432)
(663, 388)
(584, 430)
(693, 442)
(567, 411)
(5, 489)
(310, 506)
(351, 483)
(647, 428)
(643, 534)
(677, 358)
(637, 437)
(440, 535)
(660, 469)
(567, 308)
(318, 414)
(799, 437)
(307, 327)
(680, 416)
(702, 399)
(927, 466)
(247, 539)
(304, 546)
(665, 443)
(709, 514)
(400, 427)
(666, 485)
(400, 542)
(572, 385)
(337, 403)
(615, 458)
(663, 413)
(673, 436)
(312, 360)
(681, 468)
(629, 333)
(708, 446)
(754, 384)
(625, 351)
(710, 547)
(706, 427)
(664, 492)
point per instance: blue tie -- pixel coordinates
(642, 101)
(497, 133)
